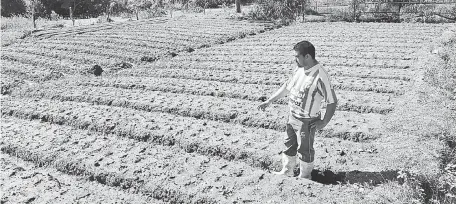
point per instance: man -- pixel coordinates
(308, 86)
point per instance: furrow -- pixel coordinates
(345, 125)
(96, 28)
(325, 46)
(51, 64)
(258, 148)
(65, 50)
(24, 182)
(164, 173)
(264, 74)
(272, 42)
(175, 66)
(218, 86)
(74, 56)
(27, 71)
(228, 141)
(285, 52)
(367, 102)
(137, 47)
(166, 45)
(200, 107)
(327, 62)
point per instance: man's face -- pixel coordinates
(300, 59)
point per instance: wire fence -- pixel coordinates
(382, 6)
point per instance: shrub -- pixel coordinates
(211, 3)
(275, 9)
(442, 74)
(445, 75)
(341, 15)
(152, 13)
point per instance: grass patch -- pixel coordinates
(19, 27)
(428, 110)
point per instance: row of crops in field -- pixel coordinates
(185, 128)
(51, 54)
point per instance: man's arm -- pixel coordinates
(277, 95)
(330, 110)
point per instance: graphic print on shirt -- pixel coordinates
(301, 90)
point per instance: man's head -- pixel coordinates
(305, 54)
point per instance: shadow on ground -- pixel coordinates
(373, 178)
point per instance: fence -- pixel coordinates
(359, 7)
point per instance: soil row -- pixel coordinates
(272, 42)
(354, 101)
(93, 28)
(258, 148)
(51, 64)
(374, 30)
(285, 52)
(325, 46)
(123, 44)
(164, 173)
(26, 71)
(15, 74)
(8, 83)
(221, 26)
(217, 87)
(25, 182)
(87, 55)
(330, 61)
(206, 107)
(29, 54)
(339, 81)
(267, 70)
(345, 125)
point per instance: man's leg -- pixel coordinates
(289, 154)
(291, 141)
(306, 151)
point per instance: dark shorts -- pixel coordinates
(302, 145)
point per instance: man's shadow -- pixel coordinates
(328, 177)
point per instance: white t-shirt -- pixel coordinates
(307, 89)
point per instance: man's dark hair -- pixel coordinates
(305, 47)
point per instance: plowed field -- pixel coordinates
(173, 118)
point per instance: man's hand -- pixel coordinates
(319, 124)
(263, 105)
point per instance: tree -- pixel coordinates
(137, 5)
(13, 7)
(355, 6)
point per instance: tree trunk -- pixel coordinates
(72, 11)
(238, 6)
(355, 4)
(136, 12)
(71, 15)
(303, 2)
(108, 12)
(33, 14)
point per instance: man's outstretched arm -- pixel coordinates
(277, 95)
